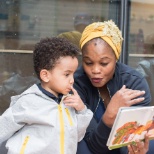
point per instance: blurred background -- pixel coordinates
(24, 22)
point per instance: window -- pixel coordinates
(24, 22)
(141, 40)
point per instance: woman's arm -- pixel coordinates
(97, 133)
(123, 98)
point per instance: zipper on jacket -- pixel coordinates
(100, 98)
(69, 116)
(109, 91)
(98, 101)
(22, 151)
(61, 129)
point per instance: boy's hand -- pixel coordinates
(74, 101)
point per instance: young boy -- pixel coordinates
(39, 121)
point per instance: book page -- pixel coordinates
(131, 124)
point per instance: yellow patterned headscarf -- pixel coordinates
(106, 30)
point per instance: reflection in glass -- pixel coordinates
(24, 23)
(141, 40)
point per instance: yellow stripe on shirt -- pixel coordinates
(22, 151)
(69, 116)
(62, 131)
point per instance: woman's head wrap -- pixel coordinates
(106, 30)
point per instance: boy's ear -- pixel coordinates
(44, 75)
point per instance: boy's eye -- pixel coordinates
(67, 74)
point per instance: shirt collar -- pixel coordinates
(57, 99)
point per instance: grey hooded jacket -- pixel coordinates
(36, 124)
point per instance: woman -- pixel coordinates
(105, 85)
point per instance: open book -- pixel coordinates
(131, 123)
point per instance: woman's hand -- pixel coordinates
(123, 98)
(74, 101)
(141, 147)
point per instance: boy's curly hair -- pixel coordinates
(49, 50)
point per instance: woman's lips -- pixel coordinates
(96, 80)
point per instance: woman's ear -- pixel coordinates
(44, 75)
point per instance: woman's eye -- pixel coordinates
(88, 63)
(104, 64)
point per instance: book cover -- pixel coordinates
(131, 123)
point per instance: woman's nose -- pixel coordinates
(96, 69)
